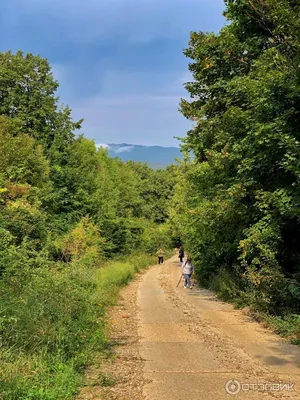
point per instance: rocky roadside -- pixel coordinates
(119, 375)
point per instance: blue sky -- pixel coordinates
(119, 62)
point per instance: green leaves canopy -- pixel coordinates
(244, 184)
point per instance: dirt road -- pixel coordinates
(176, 344)
(192, 345)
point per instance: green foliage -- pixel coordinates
(25, 186)
(287, 326)
(156, 237)
(52, 321)
(50, 180)
(227, 285)
(28, 95)
(237, 210)
(65, 208)
(22, 160)
(83, 243)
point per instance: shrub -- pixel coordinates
(52, 323)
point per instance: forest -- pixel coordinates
(71, 220)
(75, 224)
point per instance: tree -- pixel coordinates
(24, 190)
(27, 92)
(245, 182)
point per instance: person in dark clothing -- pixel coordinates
(181, 254)
(160, 254)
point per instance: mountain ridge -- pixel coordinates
(156, 156)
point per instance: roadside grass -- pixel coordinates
(52, 324)
(287, 326)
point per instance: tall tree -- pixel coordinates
(27, 92)
(245, 98)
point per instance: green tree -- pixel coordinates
(28, 94)
(24, 191)
(244, 212)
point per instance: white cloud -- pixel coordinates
(124, 149)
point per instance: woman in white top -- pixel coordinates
(187, 271)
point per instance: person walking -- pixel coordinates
(181, 254)
(160, 254)
(187, 271)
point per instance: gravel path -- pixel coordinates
(174, 343)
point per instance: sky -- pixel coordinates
(120, 63)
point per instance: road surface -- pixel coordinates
(193, 345)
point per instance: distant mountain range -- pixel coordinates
(155, 156)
